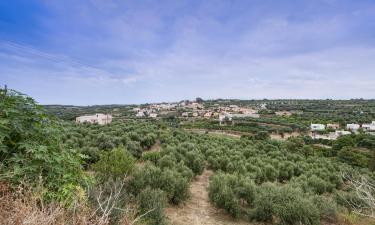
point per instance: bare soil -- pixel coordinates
(155, 147)
(238, 134)
(198, 210)
(285, 136)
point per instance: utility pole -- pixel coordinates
(5, 89)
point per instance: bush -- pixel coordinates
(151, 156)
(92, 153)
(152, 202)
(327, 208)
(352, 157)
(293, 208)
(317, 185)
(264, 204)
(175, 185)
(145, 176)
(134, 148)
(148, 140)
(115, 164)
(226, 191)
(195, 162)
(261, 135)
(271, 173)
(167, 161)
(32, 149)
(289, 206)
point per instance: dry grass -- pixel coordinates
(23, 207)
(353, 219)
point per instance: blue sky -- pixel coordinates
(86, 52)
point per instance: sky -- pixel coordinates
(87, 52)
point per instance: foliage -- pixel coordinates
(174, 183)
(31, 148)
(151, 203)
(115, 164)
(288, 205)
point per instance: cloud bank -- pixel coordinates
(104, 52)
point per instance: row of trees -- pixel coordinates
(282, 182)
(109, 171)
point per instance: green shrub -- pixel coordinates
(327, 208)
(289, 206)
(92, 153)
(294, 208)
(115, 164)
(134, 148)
(271, 173)
(148, 140)
(195, 162)
(175, 185)
(151, 202)
(151, 156)
(167, 161)
(261, 135)
(225, 191)
(264, 203)
(317, 185)
(145, 176)
(353, 157)
(32, 149)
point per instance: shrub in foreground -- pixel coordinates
(114, 164)
(151, 203)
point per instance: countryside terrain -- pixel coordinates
(173, 169)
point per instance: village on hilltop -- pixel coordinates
(225, 114)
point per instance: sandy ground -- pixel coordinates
(198, 210)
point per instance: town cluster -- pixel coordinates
(225, 114)
(197, 110)
(318, 131)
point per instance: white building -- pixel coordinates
(140, 114)
(185, 114)
(208, 115)
(194, 106)
(225, 117)
(98, 118)
(369, 126)
(152, 115)
(263, 106)
(352, 126)
(317, 127)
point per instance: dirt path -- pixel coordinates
(285, 136)
(155, 147)
(238, 134)
(198, 210)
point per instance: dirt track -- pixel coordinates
(198, 210)
(238, 134)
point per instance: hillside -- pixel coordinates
(154, 171)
